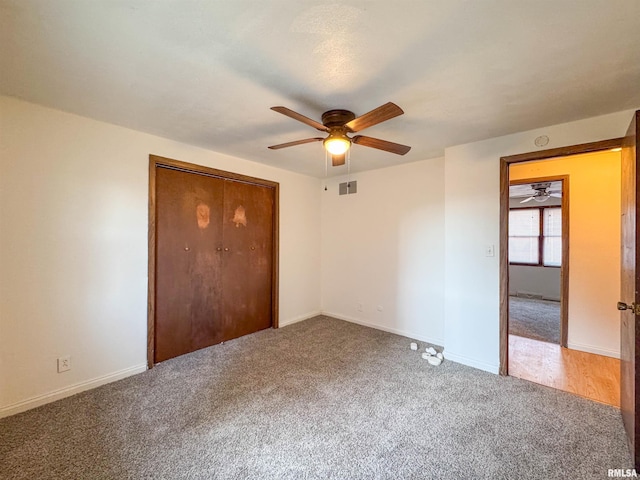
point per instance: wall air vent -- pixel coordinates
(347, 188)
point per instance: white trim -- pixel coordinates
(299, 318)
(433, 341)
(592, 349)
(43, 399)
(470, 362)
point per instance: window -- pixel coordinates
(524, 236)
(535, 236)
(552, 237)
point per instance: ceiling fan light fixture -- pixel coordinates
(338, 123)
(337, 144)
(541, 198)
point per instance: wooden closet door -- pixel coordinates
(248, 236)
(188, 262)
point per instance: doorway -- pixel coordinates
(575, 351)
(538, 255)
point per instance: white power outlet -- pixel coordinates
(360, 307)
(64, 364)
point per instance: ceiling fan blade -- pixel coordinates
(381, 144)
(301, 118)
(527, 200)
(337, 160)
(557, 195)
(297, 142)
(378, 115)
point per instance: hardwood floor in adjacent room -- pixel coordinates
(592, 376)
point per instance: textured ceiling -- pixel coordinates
(206, 72)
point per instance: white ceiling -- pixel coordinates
(206, 72)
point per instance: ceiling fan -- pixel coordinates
(542, 192)
(339, 123)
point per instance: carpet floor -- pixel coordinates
(534, 318)
(320, 399)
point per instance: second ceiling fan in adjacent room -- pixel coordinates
(542, 192)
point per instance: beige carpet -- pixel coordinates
(320, 399)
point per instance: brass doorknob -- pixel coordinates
(635, 308)
(253, 248)
(219, 249)
(226, 249)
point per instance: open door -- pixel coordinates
(630, 286)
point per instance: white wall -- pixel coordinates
(73, 248)
(544, 281)
(594, 245)
(472, 205)
(383, 247)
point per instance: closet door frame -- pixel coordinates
(156, 162)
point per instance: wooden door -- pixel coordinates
(213, 270)
(188, 264)
(248, 246)
(630, 287)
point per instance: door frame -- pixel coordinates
(504, 225)
(564, 265)
(155, 162)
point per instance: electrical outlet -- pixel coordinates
(64, 364)
(360, 307)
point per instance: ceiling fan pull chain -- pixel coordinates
(348, 169)
(326, 164)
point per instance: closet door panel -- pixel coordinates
(188, 264)
(248, 234)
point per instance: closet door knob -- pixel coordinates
(253, 248)
(219, 249)
(226, 249)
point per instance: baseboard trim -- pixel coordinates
(433, 341)
(470, 362)
(534, 296)
(45, 398)
(592, 349)
(299, 318)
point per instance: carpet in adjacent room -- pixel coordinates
(535, 318)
